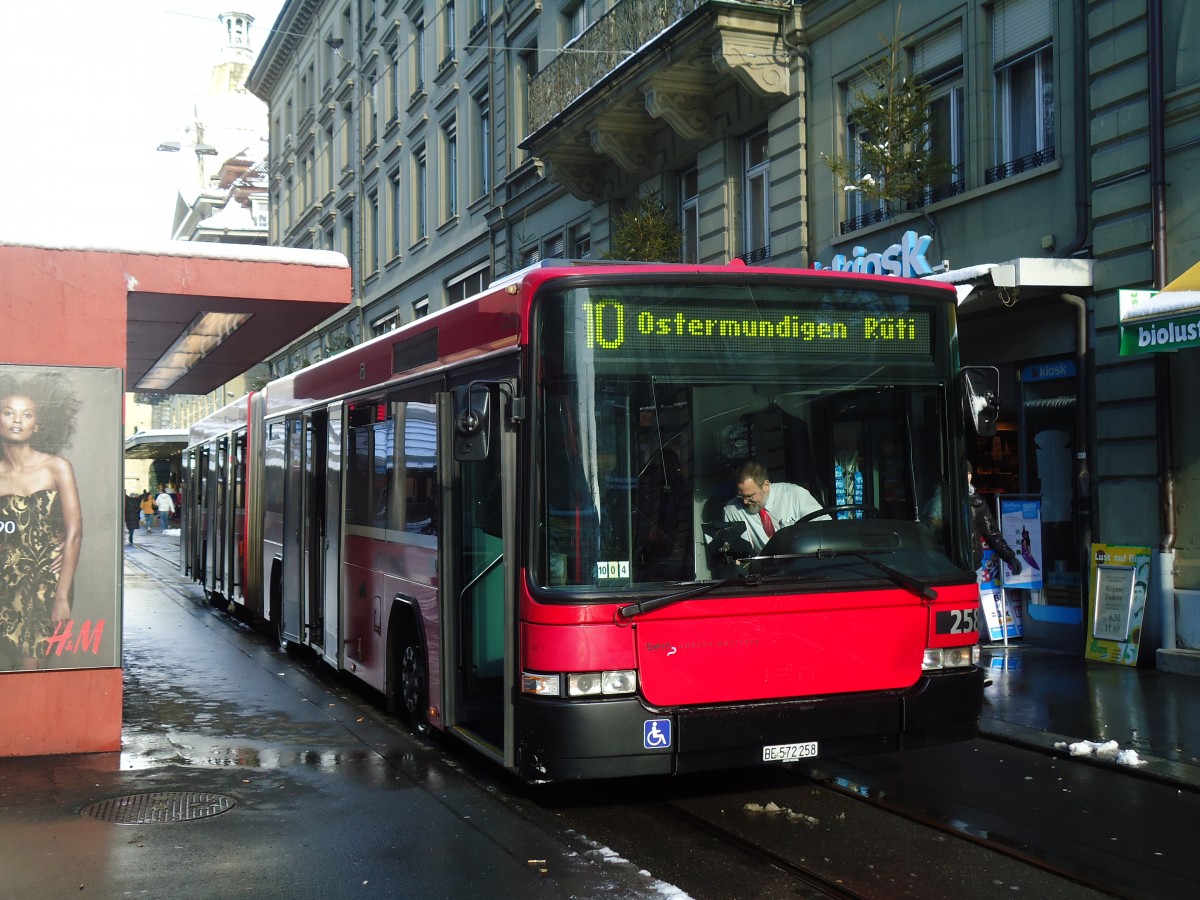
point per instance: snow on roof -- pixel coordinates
(1164, 303)
(957, 276)
(195, 249)
(232, 216)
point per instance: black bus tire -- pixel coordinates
(409, 692)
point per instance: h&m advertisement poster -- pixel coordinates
(60, 507)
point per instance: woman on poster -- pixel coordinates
(41, 521)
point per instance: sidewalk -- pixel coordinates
(243, 776)
(1048, 699)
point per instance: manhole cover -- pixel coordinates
(159, 808)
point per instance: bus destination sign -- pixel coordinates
(619, 324)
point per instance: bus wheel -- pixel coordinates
(414, 686)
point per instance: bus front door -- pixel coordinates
(481, 603)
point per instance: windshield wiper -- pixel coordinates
(924, 591)
(634, 609)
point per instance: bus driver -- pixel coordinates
(765, 507)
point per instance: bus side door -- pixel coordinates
(479, 559)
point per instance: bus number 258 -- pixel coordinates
(958, 621)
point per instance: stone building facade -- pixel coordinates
(443, 143)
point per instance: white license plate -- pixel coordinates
(786, 752)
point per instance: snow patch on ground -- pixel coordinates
(773, 808)
(1110, 751)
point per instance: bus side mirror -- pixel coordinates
(472, 422)
(980, 396)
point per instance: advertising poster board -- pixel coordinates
(1021, 524)
(60, 517)
(1119, 585)
(998, 606)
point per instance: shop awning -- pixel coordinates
(1161, 321)
(156, 443)
(1003, 282)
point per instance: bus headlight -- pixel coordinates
(949, 658)
(590, 684)
(958, 657)
(581, 684)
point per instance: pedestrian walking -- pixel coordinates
(148, 511)
(133, 514)
(166, 506)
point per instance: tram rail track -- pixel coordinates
(782, 833)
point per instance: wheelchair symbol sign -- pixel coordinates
(656, 734)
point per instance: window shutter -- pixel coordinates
(1019, 26)
(938, 51)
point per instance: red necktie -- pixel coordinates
(766, 520)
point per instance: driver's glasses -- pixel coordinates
(751, 498)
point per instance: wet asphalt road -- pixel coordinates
(335, 799)
(332, 798)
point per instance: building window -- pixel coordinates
(370, 113)
(581, 241)
(348, 246)
(371, 235)
(329, 154)
(446, 56)
(345, 152)
(394, 78)
(938, 62)
(861, 211)
(420, 195)
(689, 215)
(479, 13)
(395, 208)
(450, 169)
(466, 284)
(757, 231)
(1022, 51)
(481, 149)
(416, 67)
(302, 194)
(258, 206)
(332, 61)
(420, 308)
(289, 203)
(523, 72)
(385, 323)
(574, 20)
(529, 256)
(554, 247)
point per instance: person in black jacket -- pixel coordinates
(986, 530)
(133, 514)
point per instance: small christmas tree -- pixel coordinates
(897, 162)
(646, 231)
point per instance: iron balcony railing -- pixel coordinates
(608, 42)
(1017, 166)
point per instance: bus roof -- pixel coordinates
(495, 320)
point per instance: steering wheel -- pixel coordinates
(871, 512)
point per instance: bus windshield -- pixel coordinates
(651, 397)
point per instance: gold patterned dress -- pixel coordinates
(31, 538)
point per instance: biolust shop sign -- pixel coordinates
(905, 259)
(1158, 322)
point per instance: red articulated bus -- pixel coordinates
(518, 518)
